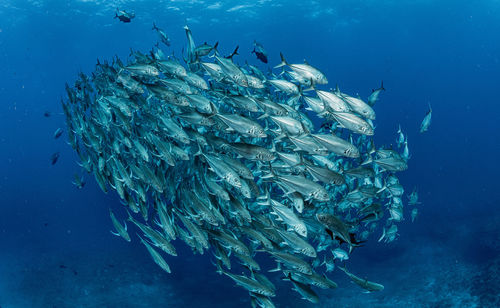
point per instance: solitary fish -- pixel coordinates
(124, 16)
(373, 98)
(365, 284)
(426, 122)
(54, 158)
(121, 230)
(163, 36)
(58, 133)
(259, 51)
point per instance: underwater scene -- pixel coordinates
(266, 153)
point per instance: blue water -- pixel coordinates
(55, 246)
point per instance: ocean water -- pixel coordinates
(55, 246)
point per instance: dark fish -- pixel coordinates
(259, 51)
(47, 114)
(62, 266)
(124, 16)
(54, 158)
(58, 133)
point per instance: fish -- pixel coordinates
(163, 36)
(373, 98)
(426, 122)
(357, 105)
(79, 181)
(237, 163)
(304, 290)
(259, 52)
(340, 254)
(413, 197)
(58, 133)
(389, 234)
(335, 227)
(401, 137)
(54, 158)
(124, 16)
(250, 284)
(298, 244)
(157, 258)
(414, 214)
(337, 145)
(305, 70)
(121, 230)
(365, 284)
(205, 49)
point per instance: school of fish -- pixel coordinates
(234, 162)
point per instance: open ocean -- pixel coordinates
(56, 249)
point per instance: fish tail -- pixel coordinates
(312, 87)
(216, 51)
(382, 86)
(277, 269)
(283, 61)
(368, 161)
(154, 26)
(383, 235)
(234, 53)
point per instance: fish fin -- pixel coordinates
(277, 269)
(312, 87)
(383, 235)
(283, 61)
(114, 233)
(382, 189)
(368, 161)
(329, 233)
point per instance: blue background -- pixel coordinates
(446, 54)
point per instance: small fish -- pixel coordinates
(259, 51)
(163, 36)
(79, 181)
(157, 258)
(426, 122)
(401, 137)
(365, 284)
(122, 230)
(413, 197)
(340, 254)
(305, 70)
(373, 98)
(124, 16)
(54, 158)
(414, 214)
(58, 133)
